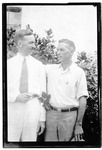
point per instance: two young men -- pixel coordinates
(66, 85)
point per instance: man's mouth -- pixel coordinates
(59, 56)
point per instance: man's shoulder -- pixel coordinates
(78, 68)
(35, 61)
(12, 59)
(53, 66)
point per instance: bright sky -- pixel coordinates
(75, 22)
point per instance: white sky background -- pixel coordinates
(77, 23)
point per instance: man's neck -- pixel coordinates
(66, 64)
(23, 55)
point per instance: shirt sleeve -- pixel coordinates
(42, 79)
(11, 97)
(12, 92)
(43, 88)
(82, 85)
(43, 113)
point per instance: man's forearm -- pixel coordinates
(43, 114)
(81, 110)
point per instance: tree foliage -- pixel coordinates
(91, 118)
(11, 47)
(44, 48)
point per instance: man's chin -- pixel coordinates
(30, 52)
(59, 59)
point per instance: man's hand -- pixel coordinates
(78, 133)
(47, 105)
(23, 97)
(41, 127)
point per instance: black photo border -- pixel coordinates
(7, 144)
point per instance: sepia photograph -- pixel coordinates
(51, 75)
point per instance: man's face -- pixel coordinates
(63, 51)
(27, 45)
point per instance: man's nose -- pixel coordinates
(58, 53)
(33, 45)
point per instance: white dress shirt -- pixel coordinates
(36, 78)
(66, 86)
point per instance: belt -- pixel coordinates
(64, 110)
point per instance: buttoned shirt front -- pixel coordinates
(36, 77)
(66, 86)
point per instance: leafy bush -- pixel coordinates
(91, 117)
(11, 47)
(44, 48)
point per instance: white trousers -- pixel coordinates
(23, 120)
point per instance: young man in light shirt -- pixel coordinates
(26, 115)
(68, 89)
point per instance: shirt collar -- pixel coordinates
(67, 69)
(21, 58)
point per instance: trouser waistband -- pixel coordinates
(64, 110)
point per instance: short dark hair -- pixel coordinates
(21, 33)
(70, 43)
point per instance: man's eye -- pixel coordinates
(61, 49)
(31, 42)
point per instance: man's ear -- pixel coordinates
(72, 52)
(19, 43)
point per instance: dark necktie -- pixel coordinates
(24, 78)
